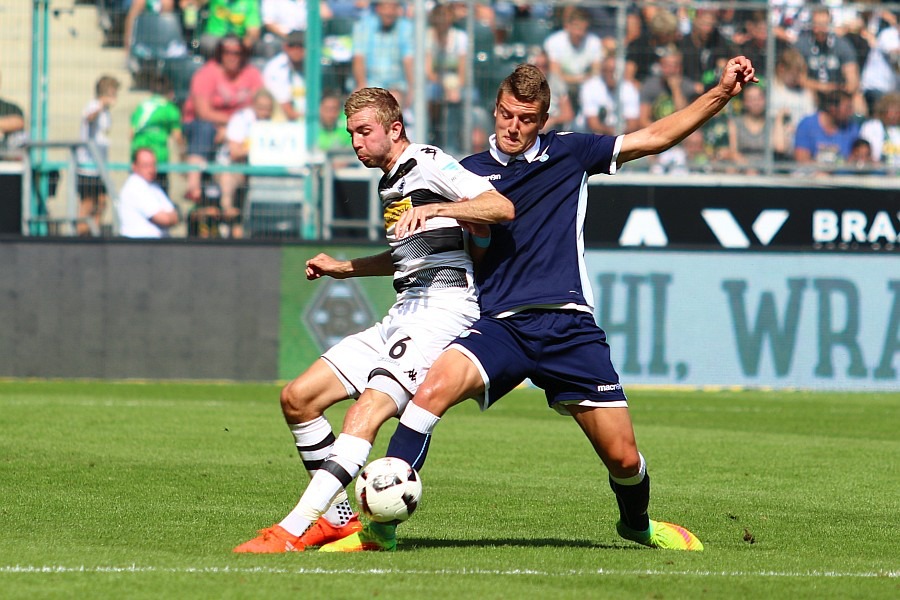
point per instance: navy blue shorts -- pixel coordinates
(563, 352)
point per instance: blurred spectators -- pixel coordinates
(283, 76)
(383, 46)
(240, 18)
(830, 59)
(643, 54)
(753, 42)
(154, 121)
(446, 73)
(280, 17)
(560, 114)
(704, 52)
(574, 52)
(663, 94)
(826, 137)
(883, 131)
(747, 133)
(601, 98)
(222, 86)
(237, 150)
(879, 72)
(12, 129)
(144, 209)
(791, 101)
(96, 122)
(693, 155)
(333, 135)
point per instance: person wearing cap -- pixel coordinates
(283, 76)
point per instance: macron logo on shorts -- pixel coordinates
(609, 388)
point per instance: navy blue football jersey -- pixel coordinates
(537, 259)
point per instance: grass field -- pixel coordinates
(141, 490)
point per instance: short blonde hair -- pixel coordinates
(387, 109)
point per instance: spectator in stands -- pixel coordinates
(883, 131)
(239, 18)
(830, 59)
(144, 209)
(879, 72)
(12, 128)
(383, 46)
(826, 137)
(333, 135)
(96, 122)
(222, 86)
(156, 120)
(754, 42)
(644, 53)
(791, 100)
(561, 113)
(663, 94)
(693, 155)
(446, 49)
(141, 6)
(747, 134)
(281, 17)
(574, 52)
(704, 52)
(861, 160)
(601, 99)
(283, 76)
(237, 151)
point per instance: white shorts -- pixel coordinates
(403, 346)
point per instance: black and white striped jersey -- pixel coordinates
(433, 258)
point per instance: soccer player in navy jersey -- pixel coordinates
(537, 317)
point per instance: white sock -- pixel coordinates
(315, 441)
(350, 454)
(418, 419)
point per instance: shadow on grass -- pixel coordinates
(409, 543)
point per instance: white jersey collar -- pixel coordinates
(504, 159)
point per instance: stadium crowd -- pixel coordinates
(829, 105)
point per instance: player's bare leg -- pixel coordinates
(303, 403)
(611, 434)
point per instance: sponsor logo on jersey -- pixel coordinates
(393, 211)
(611, 387)
(494, 177)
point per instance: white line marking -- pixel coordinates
(511, 572)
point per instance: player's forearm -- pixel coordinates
(485, 208)
(371, 266)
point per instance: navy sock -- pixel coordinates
(410, 445)
(633, 500)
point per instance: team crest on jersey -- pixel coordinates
(393, 211)
(469, 332)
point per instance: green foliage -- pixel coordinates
(141, 490)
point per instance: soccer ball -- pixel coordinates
(388, 490)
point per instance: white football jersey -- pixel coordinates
(435, 257)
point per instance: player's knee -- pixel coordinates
(296, 404)
(436, 395)
(624, 462)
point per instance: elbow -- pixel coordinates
(507, 212)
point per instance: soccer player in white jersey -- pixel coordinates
(383, 365)
(537, 316)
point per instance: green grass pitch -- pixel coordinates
(129, 490)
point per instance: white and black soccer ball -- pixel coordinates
(388, 490)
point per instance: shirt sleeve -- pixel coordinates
(447, 177)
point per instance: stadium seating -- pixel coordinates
(179, 72)
(157, 38)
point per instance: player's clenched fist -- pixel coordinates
(322, 265)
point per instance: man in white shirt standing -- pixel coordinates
(144, 209)
(283, 76)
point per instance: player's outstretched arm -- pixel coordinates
(323, 265)
(485, 208)
(668, 131)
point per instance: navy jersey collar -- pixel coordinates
(505, 159)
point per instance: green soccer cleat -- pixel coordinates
(371, 538)
(667, 536)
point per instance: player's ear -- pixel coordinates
(396, 131)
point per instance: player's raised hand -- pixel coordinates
(738, 73)
(321, 265)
